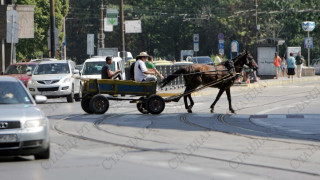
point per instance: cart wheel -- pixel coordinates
(155, 104)
(141, 106)
(99, 104)
(85, 103)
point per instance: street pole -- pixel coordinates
(101, 35)
(256, 20)
(52, 29)
(65, 39)
(11, 55)
(308, 52)
(122, 30)
(3, 49)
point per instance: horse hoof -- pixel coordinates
(212, 111)
(189, 111)
(233, 112)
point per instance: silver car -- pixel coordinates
(24, 129)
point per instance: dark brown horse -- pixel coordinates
(206, 75)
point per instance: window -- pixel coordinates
(54, 68)
(13, 93)
(20, 69)
(94, 68)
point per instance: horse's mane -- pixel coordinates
(235, 59)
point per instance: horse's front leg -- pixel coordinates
(191, 103)
(229, 100)
(185, 98)
(217, 99)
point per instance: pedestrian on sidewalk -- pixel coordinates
(276, 63)
(299, 62)
(283, 65)
(291, 65)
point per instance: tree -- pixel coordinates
(36, 47)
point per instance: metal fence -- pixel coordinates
(166, 70)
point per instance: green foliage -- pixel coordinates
(36, 47)
(168, 26)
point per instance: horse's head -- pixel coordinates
(244, 58)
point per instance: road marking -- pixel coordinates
(227, 175)
(191, 168)
(241, 116)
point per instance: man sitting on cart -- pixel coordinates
(141, 73)
(106, 72)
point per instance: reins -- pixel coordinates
(224, 78)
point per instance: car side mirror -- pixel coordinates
(40, 99)
(76, 71)
(29, 73)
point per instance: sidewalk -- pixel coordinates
(239, 87)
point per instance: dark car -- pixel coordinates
(202, 60)
(19, 70)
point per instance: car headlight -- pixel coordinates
(66, 80)
(35, 123)
(32, 82)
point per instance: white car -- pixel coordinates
(92, 67)
(24, 129)
(56, 79)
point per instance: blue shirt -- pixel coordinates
(291, 62)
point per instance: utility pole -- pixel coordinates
(122, 30)
(52, 29)
(65, 34)
(101, 34)
(3, 49)
(257, 28)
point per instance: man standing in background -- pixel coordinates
(299, 62)
(218, 59)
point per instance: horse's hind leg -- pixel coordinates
(229, 100)
(217, 99)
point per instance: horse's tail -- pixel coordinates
(172, 76)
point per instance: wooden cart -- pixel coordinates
(97, 93)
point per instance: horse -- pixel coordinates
(212, 76)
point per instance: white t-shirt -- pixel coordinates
(218, 59)
(138, 72)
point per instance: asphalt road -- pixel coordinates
(274, 135)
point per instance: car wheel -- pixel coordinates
(77, 97)
(44, 154)
(70, 97)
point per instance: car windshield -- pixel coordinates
(13, 93)
(202, 60)
(52, 68)
(20, 69)
(94, 68)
